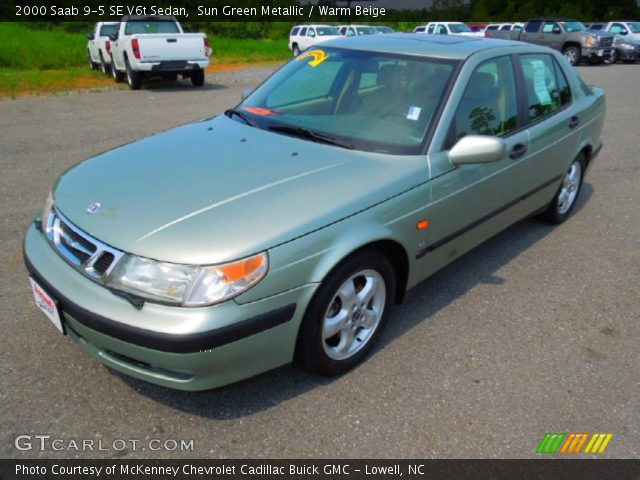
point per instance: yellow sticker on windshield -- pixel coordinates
(318, 56)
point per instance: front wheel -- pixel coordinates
(560, 207)
(572, 54)
(197, 78)
(347, 314)
(296, 50)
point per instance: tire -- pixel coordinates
(104, 68)
(565, 199)
(572, 54)
(133, 77)
(615, 56)
(296, 50)
(115, 74)
(197, 78)
(342, 322)
(92, 65)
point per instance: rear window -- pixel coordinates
(151, 27)
(533, 26)
(107, 30)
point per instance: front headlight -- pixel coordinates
(187, 285)
(590, 41)
(48, 205)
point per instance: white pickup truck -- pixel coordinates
(146, 47)
(99, 46)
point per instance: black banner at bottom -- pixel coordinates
(542, 469)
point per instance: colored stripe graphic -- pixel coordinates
(574, 443)
(598, 443)
(550, 442)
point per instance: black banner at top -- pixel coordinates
(207, 10)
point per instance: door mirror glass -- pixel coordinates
(477, 149)
(556, 30)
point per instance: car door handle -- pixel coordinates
(574, 122)
(518, 150)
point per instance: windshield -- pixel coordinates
(634, 27)
(458, 28)
(106, 30)
(574, 26)
(371, 101)
(151, 27)
(322, 31)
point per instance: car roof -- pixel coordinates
(553, 19)
(441, 46)
(148, 18)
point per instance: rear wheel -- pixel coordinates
(296, 50)
(104, 68)
(115, 74)
(572, 54)
(347, 314)
(92, 65)
(197, 78)
(562, 204)
(133, 77)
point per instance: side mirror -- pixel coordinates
(245, 93)
(113, 37)
(556, 30)
(90, 36)
(477, 149)
(623, 32)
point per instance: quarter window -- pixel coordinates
(489, 103)
(295, 31)
(532, 27)
(546, 86)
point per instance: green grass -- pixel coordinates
(33, 61)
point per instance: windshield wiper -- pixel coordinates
(239, 113)
(311, 135)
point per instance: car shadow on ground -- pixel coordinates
(272, 388)
(179, 86)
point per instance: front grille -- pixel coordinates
(88, 255)
(605, 41)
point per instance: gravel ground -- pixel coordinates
(535, 331)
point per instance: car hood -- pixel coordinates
(219, 190)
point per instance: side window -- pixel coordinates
(549, 26)
(303, 32)
(311, 32)
(442, 30)
(546, 91)
(431, 28)
(489, 103)
(505, 27)
(351, 32)
(532, 27)
(563, 86)
(617, 28)
(295, 31)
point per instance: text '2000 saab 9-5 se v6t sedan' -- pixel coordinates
(288, 227)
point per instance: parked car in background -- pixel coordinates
(568, 36)
(355, 30)
(505, 27)
(447, 28)
(302, 37)
(598, 26)
(625, 50)
(627, 29)
(477, 27)
(384, 29)
(99, 46)
(288, 227)
(144, 47)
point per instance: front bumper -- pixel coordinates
(182, 348)
(597, 52)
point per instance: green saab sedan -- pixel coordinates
(287, 228)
